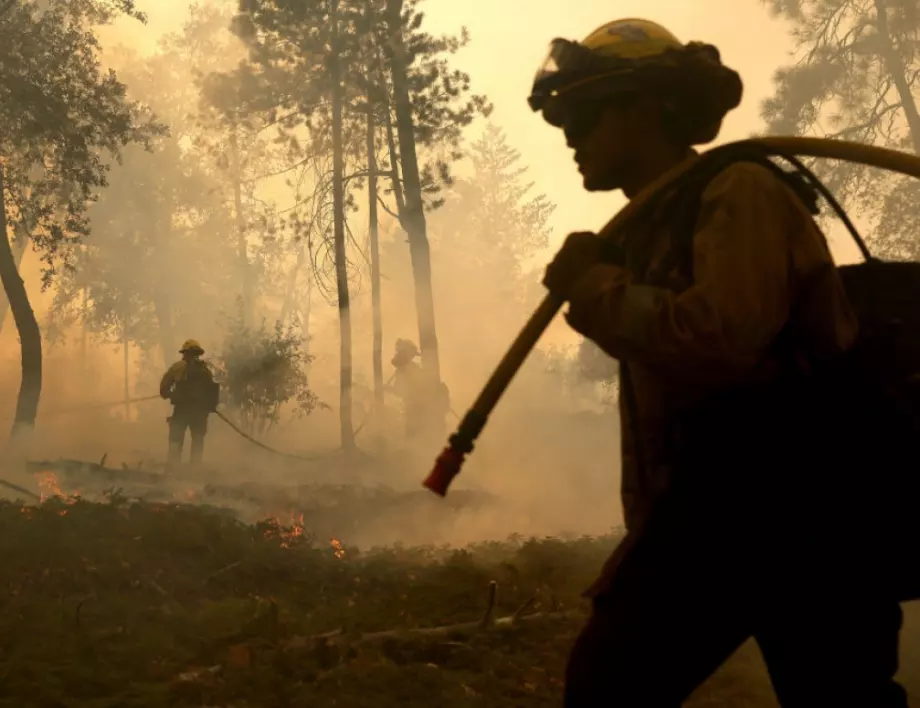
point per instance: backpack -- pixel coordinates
(882, 370)
(197, 388)
(885, 295)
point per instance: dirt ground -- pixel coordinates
(162, 602)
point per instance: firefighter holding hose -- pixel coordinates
(724, 470)
(425, 402)
(189, 385)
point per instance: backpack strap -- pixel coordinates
(682, 204)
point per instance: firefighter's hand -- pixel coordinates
(580, 252)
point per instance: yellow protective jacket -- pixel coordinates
(421, 397)
(178, 374)
(755, 249)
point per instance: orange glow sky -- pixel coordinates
(509, 40)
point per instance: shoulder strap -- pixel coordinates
(683, 203)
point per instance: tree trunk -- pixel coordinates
(338, 207)
(162, 303)
(162, 308)
(391, 139)
(375, 258)
(84, 335)
(290, 289)
(414, 219)
(126, 363)
(895, 68)
(30, 388)
(394, 164)
(19, 246)
(242, 243)
(306, 310)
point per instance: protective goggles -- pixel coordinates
(568, 66)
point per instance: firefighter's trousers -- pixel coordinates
(196, 422)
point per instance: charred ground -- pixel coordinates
(126, 602)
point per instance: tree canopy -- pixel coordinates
(853, 77)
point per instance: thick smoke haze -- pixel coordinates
(551, 450)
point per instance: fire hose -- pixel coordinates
(461, 443)
(95, 406)
(233, 426)
(247, 436)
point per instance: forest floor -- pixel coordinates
(123, 603)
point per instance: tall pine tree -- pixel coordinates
(854, 77)
(60, 113)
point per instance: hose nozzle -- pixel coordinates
(446, 467)
(449, 462)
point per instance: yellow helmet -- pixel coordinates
(619, 51)
(407, 348)
(630, 39)
(191, 346)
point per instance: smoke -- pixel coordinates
(549, 457)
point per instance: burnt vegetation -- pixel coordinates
(269, 177)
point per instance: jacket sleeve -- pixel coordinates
(740, 298)
(169, 379)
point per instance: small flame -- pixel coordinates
(187, 495)
(288, 534)
(49, 486)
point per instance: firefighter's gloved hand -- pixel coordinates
(580, 252)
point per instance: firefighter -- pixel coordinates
(425, 403)
(189, 385)
(733, 504)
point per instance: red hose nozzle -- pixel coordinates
(446, 467)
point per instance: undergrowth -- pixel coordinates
(138, 604)
(128, 604)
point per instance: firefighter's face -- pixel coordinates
(608, 141)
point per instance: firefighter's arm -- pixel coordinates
(169, 379)
(399, 386)
(740, 298)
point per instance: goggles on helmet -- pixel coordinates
(569, 65)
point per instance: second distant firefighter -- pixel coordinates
(426, 402)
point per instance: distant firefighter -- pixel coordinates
(189, 385)
(426, 402)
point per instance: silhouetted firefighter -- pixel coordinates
(189, 385)
(754, 433)
(426, 401)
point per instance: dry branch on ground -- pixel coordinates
(138, 604)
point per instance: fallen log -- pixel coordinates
(80, 469)
(330, 648)
(488, 622)
(20, 490)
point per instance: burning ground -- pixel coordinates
(123, 602)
